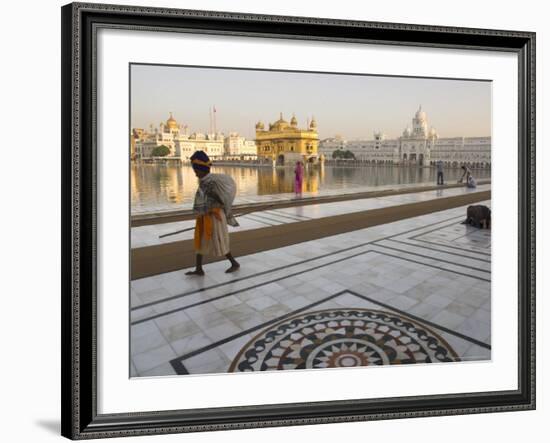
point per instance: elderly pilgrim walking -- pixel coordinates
(212, 207)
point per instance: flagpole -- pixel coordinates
(214, 108)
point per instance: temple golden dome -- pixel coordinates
(293, 121)
(313, 124)
(171, 123)
(280, 124)
(260, 126)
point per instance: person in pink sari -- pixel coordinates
(298, 178)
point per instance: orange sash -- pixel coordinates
(203, 226)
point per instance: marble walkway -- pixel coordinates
(150, 235)
(413, 291)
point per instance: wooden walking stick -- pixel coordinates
(192, 228)
(176, 232)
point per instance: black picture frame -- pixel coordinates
(79, 177)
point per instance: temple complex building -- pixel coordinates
(286, 143)
(177, 139)
(237, 147)
(419, 144)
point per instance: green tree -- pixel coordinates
(161, 151)
(343, 154)
(349, 155)
(337, 154)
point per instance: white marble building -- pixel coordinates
(418, 144)
(212, 144)
(177, 138)
(237, 147)
(182, 144)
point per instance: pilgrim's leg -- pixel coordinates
(234, 263)
(198, 268)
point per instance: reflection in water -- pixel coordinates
(172, 185)
(281, 181)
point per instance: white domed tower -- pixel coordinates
(420, 123)
(415, 144)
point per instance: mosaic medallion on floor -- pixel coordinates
(342, 338)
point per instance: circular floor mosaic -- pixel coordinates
(342, 338)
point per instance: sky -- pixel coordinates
(353, 106)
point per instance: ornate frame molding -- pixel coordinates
(79, 391)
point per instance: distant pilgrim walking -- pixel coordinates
(212, 207)
(439, 166)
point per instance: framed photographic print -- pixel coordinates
(245, 196)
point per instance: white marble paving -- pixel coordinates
(174, 315)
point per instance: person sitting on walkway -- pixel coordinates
(212, 207)
(478, 216)
(470, 181)
(439, 168)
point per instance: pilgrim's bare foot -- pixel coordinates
(198, 272)
(233, 268)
